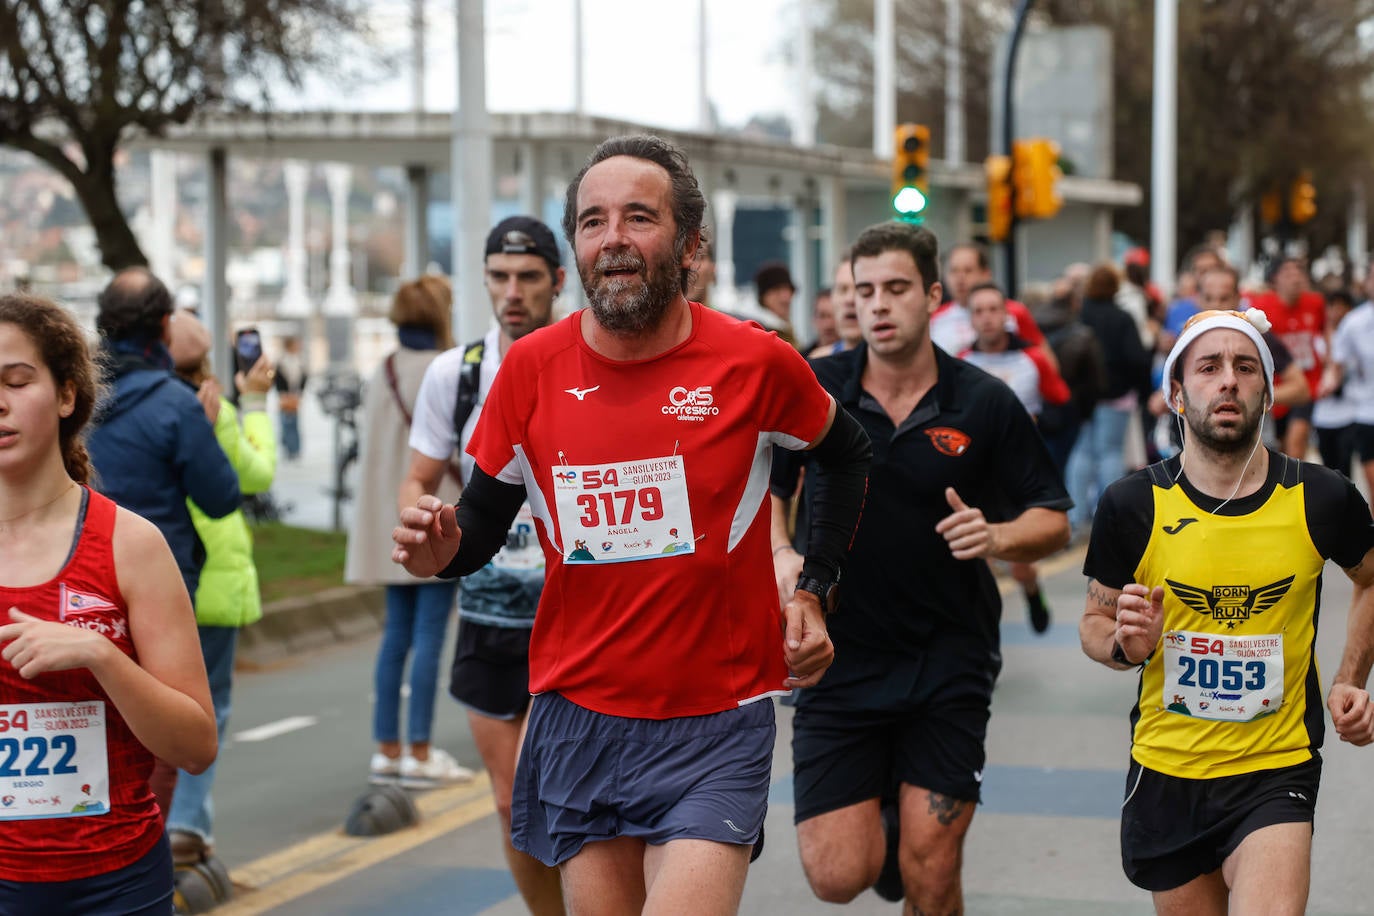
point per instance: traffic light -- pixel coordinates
(1036, 172)
(998, 171)
(1302, 199)
(1271, 208)
(910, 171)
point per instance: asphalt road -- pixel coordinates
(1044, 841)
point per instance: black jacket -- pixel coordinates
(1128, 364)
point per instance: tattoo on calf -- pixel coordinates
(946, 809)
(917, 911)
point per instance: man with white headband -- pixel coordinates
(1205, 573)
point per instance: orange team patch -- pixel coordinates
(949, 441)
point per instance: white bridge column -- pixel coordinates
(340, 300)
(295, 297)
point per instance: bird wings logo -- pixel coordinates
(1231, 602)
(949, 441)
(581, 393)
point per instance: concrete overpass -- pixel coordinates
(831, 192)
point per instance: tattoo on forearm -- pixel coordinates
(1100, 595)
(946, 809)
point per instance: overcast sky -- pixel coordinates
(640, 59)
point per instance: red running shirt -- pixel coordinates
(649, 485)
(1302, 328)
(60, 846)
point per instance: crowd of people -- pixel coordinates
(650, 485)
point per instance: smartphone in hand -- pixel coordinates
(247, 349)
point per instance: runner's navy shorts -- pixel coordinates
(584, 776)
(141, 888)
(1174, 829)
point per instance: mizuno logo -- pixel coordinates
(731, 824)
(581, 393)
(1178, 526)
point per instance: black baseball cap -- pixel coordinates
(523, 235)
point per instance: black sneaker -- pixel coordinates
(1039, 611)
(889, 883)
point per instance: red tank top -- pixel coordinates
(56, 838)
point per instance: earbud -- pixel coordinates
(1178, 405)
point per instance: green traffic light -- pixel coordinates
(909, 202)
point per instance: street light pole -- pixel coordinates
(1164, 152)
(1007, 113)
(884, 77)
(471, 175)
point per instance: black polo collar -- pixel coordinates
(946, 390)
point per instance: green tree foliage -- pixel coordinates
(77, 77)
(1266, 88)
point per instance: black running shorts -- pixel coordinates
(925, 724)
(1174, 830)
(491, 669)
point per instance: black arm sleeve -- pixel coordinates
(485, 513)
(841, 461)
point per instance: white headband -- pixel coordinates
(1253, 323)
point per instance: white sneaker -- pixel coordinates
(383, 770)
(439, 770)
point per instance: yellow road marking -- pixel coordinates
(281, 877)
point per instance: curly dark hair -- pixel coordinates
(70, 358)
(689, 204)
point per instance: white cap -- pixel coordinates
(1252, 322)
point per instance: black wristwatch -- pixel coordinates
(1119, 655)
(827, 593)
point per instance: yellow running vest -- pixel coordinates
(1228, 688)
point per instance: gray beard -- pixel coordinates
(632, 313)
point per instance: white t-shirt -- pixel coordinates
(505, 592)
(1353, 348)
(431, 430)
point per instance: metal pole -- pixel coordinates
(954, 82)
(472, 174)
(1008, 131)
(579, 100)
(703, 94)
(1357, 234)
(884, 78)
(806, 96)
(1164, 152)
(417, 55)
(215, 292)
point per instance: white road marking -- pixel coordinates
(273, 729)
